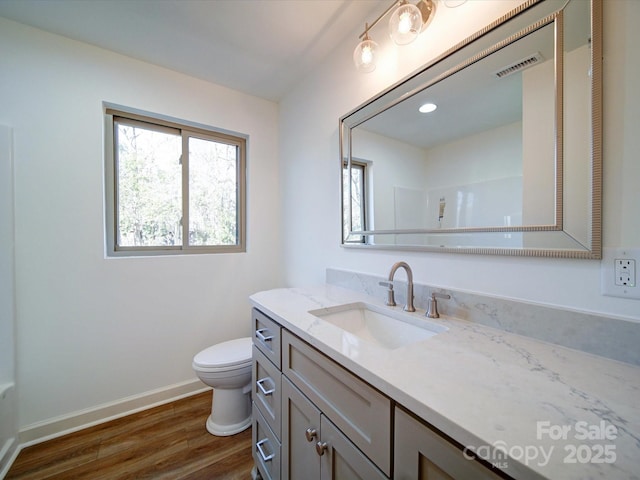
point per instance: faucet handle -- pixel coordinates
(391, 301)
(432, 311)
(440, 295)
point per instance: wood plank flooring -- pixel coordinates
(165, 442)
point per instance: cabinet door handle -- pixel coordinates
(266, 392)
(311, 434)
(265, 458)
(321, 447)
(262, 337)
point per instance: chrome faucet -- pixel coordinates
(390, 299)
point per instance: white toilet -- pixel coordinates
(227, 368)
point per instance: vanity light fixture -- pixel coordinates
(405, 24)
(427, 108)
(364, 56)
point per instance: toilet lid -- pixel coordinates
(225, 354)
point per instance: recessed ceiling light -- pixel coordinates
(427, 108)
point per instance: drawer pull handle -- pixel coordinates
(311, 434)
(321, 447)
(265, 458)
(262, 337)
(266, 392)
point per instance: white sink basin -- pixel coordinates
(383, 326)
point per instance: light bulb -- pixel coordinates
(365, 54)
(405, 24)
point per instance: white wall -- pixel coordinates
(309, 149)
(92, 330)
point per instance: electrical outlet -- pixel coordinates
(618, 272)
(625, 272)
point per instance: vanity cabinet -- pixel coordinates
(357, 409)
(422, 453)
(314, 448)
(313, 419)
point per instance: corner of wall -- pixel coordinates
(8, 398)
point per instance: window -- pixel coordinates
(358, 201)
(173, 188)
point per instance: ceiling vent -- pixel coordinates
(526, 62)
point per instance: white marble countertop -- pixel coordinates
(558, 413)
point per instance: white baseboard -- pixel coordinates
(42, 431)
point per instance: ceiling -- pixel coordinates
(260, 47)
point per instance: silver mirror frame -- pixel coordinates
(411, 84)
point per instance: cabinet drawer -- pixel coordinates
(361, 412)
(266, 336)
(267, 391)
(266, 447)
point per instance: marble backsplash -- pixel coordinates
(604, 336)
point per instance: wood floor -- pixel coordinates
(165, 442)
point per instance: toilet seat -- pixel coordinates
(231, 355)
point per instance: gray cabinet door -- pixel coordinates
(313, 447)
(340, 459)
(356, 408)
(300, 432)
(419, 452)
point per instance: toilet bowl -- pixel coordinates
(226, 367)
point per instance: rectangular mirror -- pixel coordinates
(508, 163)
